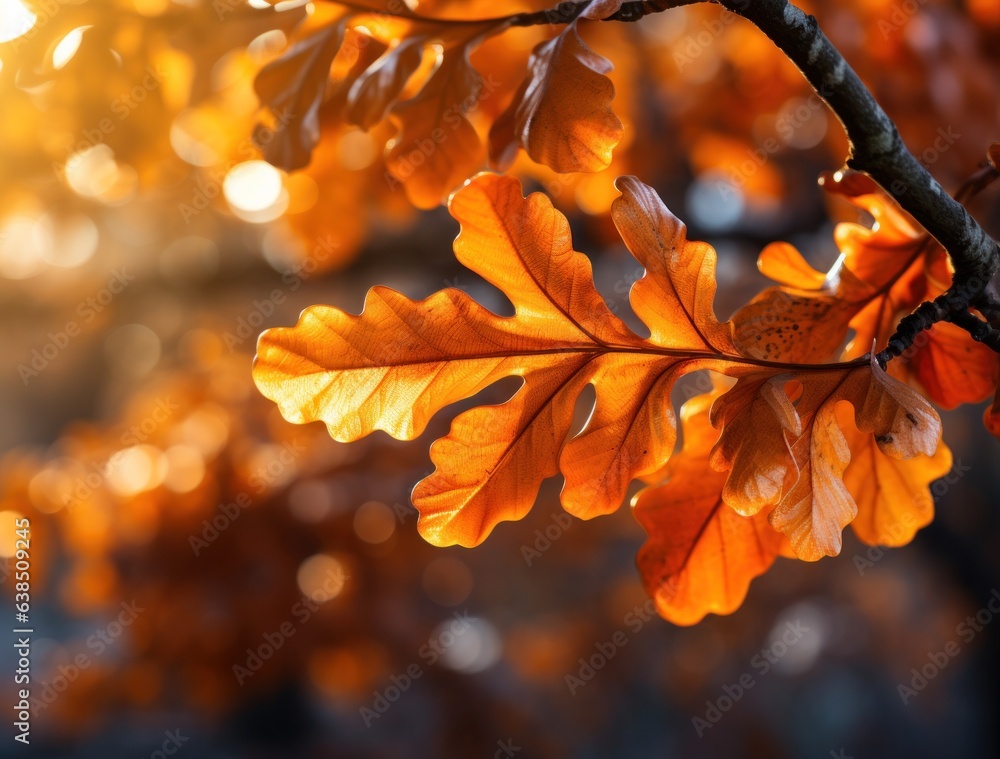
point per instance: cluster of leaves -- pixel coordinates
(418, 72)
(794, 466)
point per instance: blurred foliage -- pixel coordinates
(144, 244)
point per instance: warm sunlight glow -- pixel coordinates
(67, 47)
(374, 522)
(93, 171)
(185, 468)
(252, 186)
(15, 20)
(135, 469)
(73, 239)
(24, 246)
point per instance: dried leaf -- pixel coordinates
(295, 86)
(401, 361)
(437, 146)
(893, 496)
(376, 89)
(562, 115)
(700, 555)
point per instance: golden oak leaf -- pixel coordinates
(886, 490)
(884, 272)
(675, 297)
(437, 146)
(401, 361)
(561, 115)
(783, 322)
(952, 368)
(700, 555)
(893, 496)
(759, 417)
(901, 267)
(813, 511)
(783, 263)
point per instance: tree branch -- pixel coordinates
(877, 149)
(566, 12)
(563, 13)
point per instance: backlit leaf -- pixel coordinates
(399, 362)
(700, 555)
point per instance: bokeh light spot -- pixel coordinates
(321, 577)
(374, 522)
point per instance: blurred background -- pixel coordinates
(210, 580)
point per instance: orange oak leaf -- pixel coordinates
(800, 468)
(437, 146)
(893, 496)
(884, 272)
(400, 361)
(700, 555)
(561, 114)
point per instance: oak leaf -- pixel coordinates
(296, 84)
(561, 114)
(437, 146)
(884, 272)
(700, 555)
(893, 496)
(401, 361)
(377, 88)
(795, 459)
